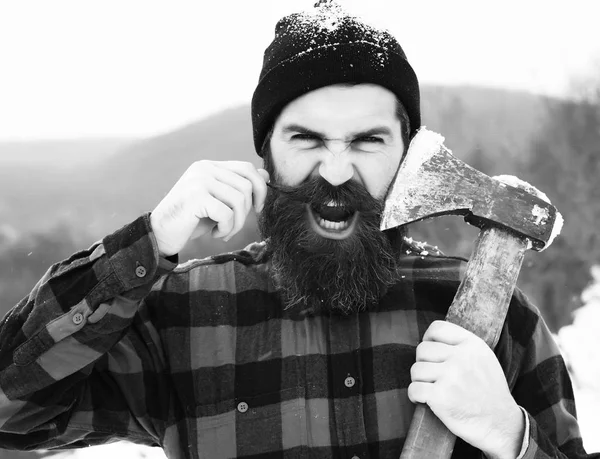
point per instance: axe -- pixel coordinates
(432, 182)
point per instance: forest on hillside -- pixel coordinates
(563, 161)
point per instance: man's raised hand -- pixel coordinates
(211, 196)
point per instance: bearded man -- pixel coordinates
(317, 341)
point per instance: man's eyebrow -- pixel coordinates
(299, 129)
(377, 130)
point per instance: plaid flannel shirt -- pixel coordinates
(202, 360)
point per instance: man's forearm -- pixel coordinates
(76, 312)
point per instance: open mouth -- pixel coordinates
(331, 220)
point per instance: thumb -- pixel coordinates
(264, 174)
(218, 232)
(204, 226)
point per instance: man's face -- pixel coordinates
(334, 152)
(368, 142)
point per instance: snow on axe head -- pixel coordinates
(432, 182)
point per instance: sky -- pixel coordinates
(136, 68)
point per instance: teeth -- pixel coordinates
(332, 203)
(336, 226)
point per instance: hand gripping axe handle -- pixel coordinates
(432, 182)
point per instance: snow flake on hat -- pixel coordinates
(326, 15)
(329, 18)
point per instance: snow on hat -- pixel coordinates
(327, 46)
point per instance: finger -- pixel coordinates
(432, 351)
(446, 332)
(261, 194)
(240, 183)
(258, 178)
(425, 372)
(420, 392)
(264, 174)
(235, 201)
(220, 214)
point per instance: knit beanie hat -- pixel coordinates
(326, 46)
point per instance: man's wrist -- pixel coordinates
(511, 434)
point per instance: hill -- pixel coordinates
(113, 191)
(66, 154)
(36, 177)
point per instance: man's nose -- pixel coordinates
(336, 168)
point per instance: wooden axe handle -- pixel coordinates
(480, 306)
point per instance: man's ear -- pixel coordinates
(407, 146)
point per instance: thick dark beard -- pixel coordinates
(320, 274)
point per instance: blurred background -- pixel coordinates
(104, 104)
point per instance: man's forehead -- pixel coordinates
(356, 107)
(366, 95)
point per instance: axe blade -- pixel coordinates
(432, 182)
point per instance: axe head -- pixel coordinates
(432, 182)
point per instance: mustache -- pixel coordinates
(318, 191)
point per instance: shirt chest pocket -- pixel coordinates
(252, 426)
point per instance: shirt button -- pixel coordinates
(78, 318)
(140, 271)
(349, 382)
(242, 407)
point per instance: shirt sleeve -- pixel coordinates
(58, 344)
(525, 441)
(542, 387)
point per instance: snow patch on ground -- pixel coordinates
(119, 450)
(579, 343)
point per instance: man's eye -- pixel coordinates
(305, 137)
(369, 139)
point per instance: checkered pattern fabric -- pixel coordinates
(202, 360)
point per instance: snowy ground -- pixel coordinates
(121, 450)
(579, 343)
